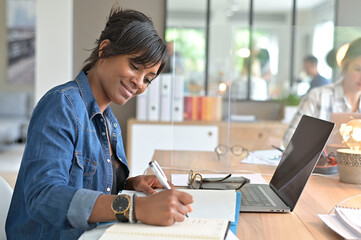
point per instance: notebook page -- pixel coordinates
(208, 203)
(336, 225)
(190, 228)
(350, 217)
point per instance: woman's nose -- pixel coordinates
(137, 82)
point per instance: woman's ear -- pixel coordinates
(102, 45)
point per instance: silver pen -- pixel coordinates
(158, 172)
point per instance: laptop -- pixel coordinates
(335, 142)
(293, 171)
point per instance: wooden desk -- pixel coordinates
(319, 196)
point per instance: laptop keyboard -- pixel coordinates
(255, 196)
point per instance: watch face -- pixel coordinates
(121, 204)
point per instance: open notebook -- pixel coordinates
(208, 203)
(346, 222)
(190, 228)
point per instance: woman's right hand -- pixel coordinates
(163, 208)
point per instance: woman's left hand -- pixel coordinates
(144, 183)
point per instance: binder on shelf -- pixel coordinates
(204, 108)
(218, 109)
(154, 101)
(188, 108)
(166, 97)
(178, 94)
(195, 108)
(141, 106)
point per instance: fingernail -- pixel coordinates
(189, 208)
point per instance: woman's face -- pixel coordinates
(121, 79)
(352, 75)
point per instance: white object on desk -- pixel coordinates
(180, 180)
(208, 203)
(243, 118)
(97, 232)
(190, 228)
(266, 157)
(336, 225)
(350, 217)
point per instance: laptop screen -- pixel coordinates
(300, 158)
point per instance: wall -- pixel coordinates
(53, 44)
(89, 20)
(90, 17)
(348, 13)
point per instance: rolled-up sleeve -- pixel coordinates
(81, 206)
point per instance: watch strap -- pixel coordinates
(121, 217)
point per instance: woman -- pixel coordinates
(74, 162)
(341, 96)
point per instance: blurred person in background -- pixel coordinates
(310, 67)
(341, 96)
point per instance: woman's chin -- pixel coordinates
(121, 100)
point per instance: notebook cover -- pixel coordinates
(233, 225)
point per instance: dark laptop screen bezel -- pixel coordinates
(309, 129)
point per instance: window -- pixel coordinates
(256, 47)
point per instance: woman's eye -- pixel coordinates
(133, 66)
(148, 81)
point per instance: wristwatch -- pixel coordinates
(120, 206)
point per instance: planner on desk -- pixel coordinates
(208, 203)
(190, 228)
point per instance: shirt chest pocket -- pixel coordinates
(82, 172)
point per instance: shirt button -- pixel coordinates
(108, 189)
(115, 125)
(103, 133)
(108, 160)
(101, 119)
(114, 134)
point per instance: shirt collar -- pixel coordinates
(87, 95)
(339, 94)
(339, 90)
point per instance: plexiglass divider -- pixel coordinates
(241, 112)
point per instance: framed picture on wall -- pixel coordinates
(21, 21)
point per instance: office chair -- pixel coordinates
(5, 199)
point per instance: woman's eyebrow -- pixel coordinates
(152, 73)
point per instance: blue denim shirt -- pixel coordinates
(66, 164)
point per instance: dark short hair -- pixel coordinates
(130, 32)
(311, 59)
(353, 52)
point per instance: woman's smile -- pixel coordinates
(127, 90)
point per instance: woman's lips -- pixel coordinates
(127, 90)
